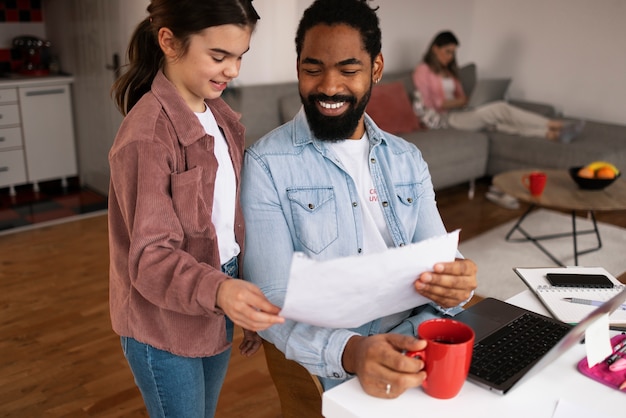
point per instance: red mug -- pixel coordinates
(447, 356)
(535, 182)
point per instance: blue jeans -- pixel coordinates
(175, 386)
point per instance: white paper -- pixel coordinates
(568, 409)
(350, 291)
(598, 341)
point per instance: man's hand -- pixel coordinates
(380, 364)
(250, 344)
(448, 284)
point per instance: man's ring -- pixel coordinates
(388, 389)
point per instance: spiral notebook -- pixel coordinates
(554, 298)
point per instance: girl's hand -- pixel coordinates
(246, 305)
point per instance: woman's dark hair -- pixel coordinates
(354, 13)
(184, 18)
(442, 39)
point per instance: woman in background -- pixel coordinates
(437, 84)
(175, 224)
(439, 102)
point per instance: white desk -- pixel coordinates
(537, 397)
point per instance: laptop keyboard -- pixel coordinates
(512, 348)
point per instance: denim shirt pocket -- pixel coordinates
(187, 198)
(408, 194)
(314, 214)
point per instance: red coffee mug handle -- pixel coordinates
(422, 356)
(417, 354)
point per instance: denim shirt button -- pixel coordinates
(311, 206)
(401, 245)
(360, 250)
(373, 160)
(355, 204)
(385, 204)
(336, 375)
(410, 200)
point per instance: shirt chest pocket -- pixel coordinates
(408, 194)
(314, 214)
(189, 202)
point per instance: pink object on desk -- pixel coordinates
(605, 373)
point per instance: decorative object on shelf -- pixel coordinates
(35, 54)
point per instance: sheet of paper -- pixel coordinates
(350, 291)
(567, 409)
(598, 341)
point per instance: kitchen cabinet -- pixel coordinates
(48, 130)
(37, 131)
(12, 163)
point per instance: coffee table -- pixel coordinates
(563, 194)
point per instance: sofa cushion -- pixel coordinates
(467, 77)
(391, 108)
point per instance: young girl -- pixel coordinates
(175, 225)
(436, 81)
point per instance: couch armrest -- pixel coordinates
(543, 109)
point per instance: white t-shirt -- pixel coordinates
(354, 155)
(448, 87)
(223, 217)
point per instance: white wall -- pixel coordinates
(272, 55)
(569, 53)
(566, 52)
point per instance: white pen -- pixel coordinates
(590, 302)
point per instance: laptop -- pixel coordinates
(541, 339)
(488, 90)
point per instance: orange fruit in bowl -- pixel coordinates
(605, 173)
(586, 173)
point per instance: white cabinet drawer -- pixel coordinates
(10, 138)
(12, 169)
(9, 115)
(48, 132)
(8, 95)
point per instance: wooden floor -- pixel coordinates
(58, 355)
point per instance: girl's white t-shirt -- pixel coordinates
(223, 217)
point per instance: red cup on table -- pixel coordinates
(535, 182)
(447, 356)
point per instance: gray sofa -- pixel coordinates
(453, 156)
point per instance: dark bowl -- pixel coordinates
(590, 184)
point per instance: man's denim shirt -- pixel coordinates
(297, 197)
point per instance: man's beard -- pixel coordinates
(334, 128)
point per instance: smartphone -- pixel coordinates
(579, 280)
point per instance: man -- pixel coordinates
(331, 184)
